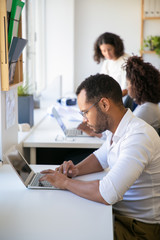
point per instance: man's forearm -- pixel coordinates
(88, 190)
(89, 165)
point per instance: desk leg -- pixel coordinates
(33, 155)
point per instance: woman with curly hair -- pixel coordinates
(143, 83)
(109, 48)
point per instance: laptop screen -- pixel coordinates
(59, 120)
(20, 165)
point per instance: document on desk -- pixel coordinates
(70, 113)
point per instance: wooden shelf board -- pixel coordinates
(151, 18)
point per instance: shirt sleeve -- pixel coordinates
(133, 158)
(145, 113)
(139, 111)
(101, 155)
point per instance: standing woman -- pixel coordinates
(109, 48)
(143, 82)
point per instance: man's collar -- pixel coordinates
(121, 129)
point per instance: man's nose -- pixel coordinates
(85, 119)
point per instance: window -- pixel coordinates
(33, 22)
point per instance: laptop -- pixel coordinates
(69, 132)
(29, 178)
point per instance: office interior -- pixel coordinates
(60, 57)
(65, 32)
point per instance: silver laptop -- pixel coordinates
(69, 132)
(25, 172)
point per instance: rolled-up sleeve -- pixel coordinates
(101, 155)
(126, 165)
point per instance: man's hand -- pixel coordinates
(85, 128)
(55, 178)
(68, 169)
(85, 189)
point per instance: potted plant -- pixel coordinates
(152, 43)
(25, 104)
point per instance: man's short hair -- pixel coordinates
(99, 86)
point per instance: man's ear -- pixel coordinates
(104, 104)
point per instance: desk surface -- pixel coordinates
(48, 134)
(50, 214)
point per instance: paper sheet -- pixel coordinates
(10, 108)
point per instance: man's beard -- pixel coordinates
(103, 122)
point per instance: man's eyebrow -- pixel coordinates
(83, 110)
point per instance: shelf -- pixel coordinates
(148, 52)
(18, 77)
(4, 47)
(11, 86)
(143, 19)
(151, 18)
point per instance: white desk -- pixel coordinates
(48, 134)
(49, 214)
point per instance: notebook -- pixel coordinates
(69, 132)
(25, 172)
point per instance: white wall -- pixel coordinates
(60, 43)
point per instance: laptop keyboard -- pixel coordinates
(74, 132)
(36, 181)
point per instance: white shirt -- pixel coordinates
(133, 182)
(149, 112)
(114, 69)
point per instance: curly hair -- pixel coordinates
(144, 79)
(99, 86)
(108, 38)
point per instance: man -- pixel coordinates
(131, 152)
